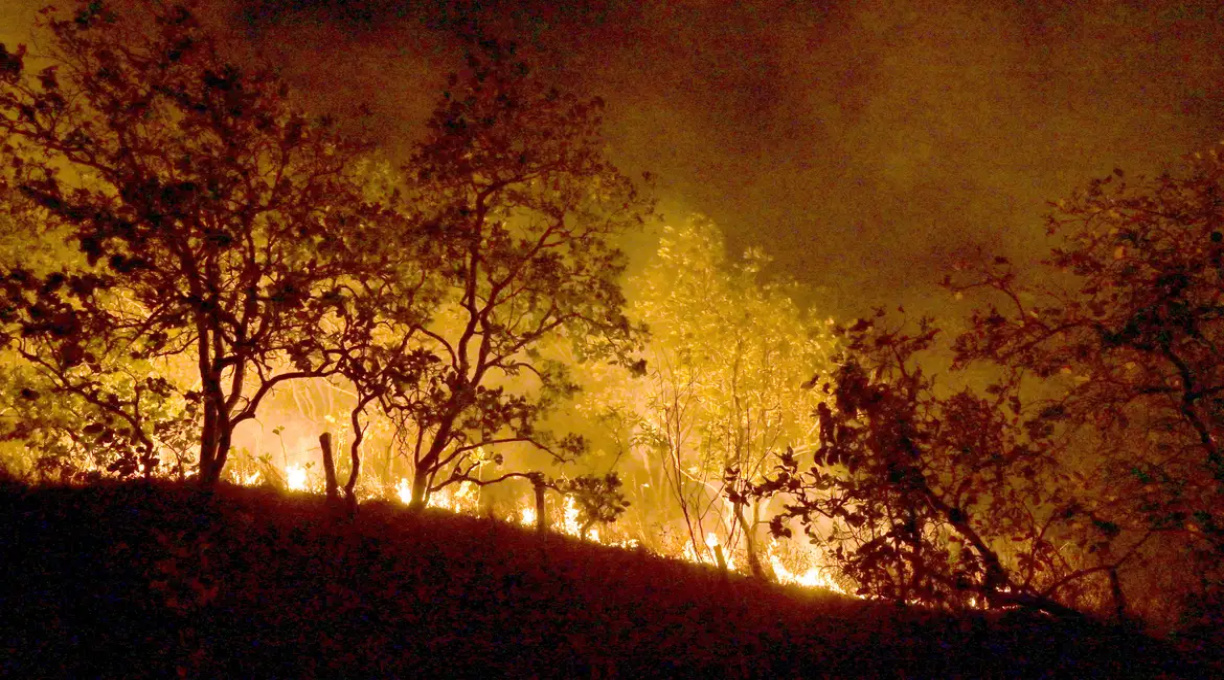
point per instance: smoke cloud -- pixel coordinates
(863, 145)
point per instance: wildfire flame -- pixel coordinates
(295, 477)
(527, 517)
(464, 498)
(712, 541)
(813, 577)
(570, 525)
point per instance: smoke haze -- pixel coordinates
(863, 145)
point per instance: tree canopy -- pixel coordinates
(1128, 348)
(213, 217)
(727, 355)
(226, 243)
(522, 213)
(1089, 463)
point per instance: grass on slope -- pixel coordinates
(154, 580)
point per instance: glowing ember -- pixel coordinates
(295, 477)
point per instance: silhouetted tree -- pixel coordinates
(1091, 462)
(921, 497)
(522, 211)
(1125, 337)
(215, 223)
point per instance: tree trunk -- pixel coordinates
(329, 467)
(1119, 598)
(541, 516)
(208, 474)
(210, 464)
(214, 444)
(750, 544)
(226, 434)
(757, 525)
(420, 485)
(350, 487)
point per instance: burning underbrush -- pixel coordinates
(789, 563)
(161, 579)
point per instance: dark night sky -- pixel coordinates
(864, 145)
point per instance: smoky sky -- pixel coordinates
(864, 145)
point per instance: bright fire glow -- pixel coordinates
(404, 491)
(295, 477)
(691, 554)
(813, 577)
(464, 498)
(527, 516)
(571, 526)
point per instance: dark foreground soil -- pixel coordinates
(140, 580)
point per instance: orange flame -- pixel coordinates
(464, 498)
(295, 477)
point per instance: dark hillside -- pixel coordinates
(138, 580)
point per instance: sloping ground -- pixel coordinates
(138, 580)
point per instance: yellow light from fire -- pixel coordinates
(527, 517)
(462, 499)
(295, 477)
(814, 577)
(691, 553)
(571, 525)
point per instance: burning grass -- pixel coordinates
(158, 579)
